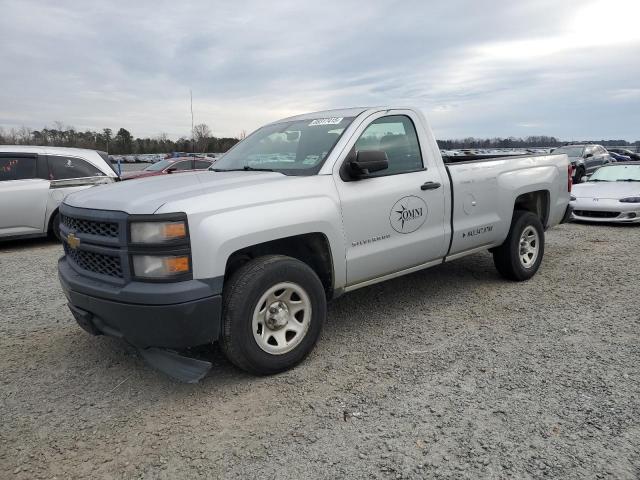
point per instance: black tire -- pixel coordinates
(580, 172)
(55, 226)
(507, 256)
(240, 298)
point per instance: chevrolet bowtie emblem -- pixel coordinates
(73, 241)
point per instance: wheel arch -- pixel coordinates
(313, 249)
(536, 202)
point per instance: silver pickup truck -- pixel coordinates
(301, 211)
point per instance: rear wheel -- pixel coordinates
(274, 309)
(520, 256)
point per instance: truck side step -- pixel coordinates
(176, 366)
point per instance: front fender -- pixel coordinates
(215, 237)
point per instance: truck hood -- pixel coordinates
(614, 190)
(147, 195)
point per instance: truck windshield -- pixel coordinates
(293, 148)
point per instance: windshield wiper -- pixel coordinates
(597, 180)
(246, 168)
(627, 180)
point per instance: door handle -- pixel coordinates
(430, 186)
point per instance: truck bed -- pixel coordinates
(484, 191)
(484, 157)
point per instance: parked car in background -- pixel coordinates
(585, 158)
(612, 194)
(34, 180)
(625, 151)
(619, 157)
(175, 155)
(171, 165)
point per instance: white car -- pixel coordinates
(34, 180)
(612, 194)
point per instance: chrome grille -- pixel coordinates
(91, 227)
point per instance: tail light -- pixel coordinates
(570, 170)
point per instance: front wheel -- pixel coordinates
(274, 309)
(520, 256)
(580, 172)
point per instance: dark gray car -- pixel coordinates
(586, 159)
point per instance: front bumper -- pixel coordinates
(170, 315)
(605, 211)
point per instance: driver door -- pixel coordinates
(394, 218)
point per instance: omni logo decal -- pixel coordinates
(408, 214)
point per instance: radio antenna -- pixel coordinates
(192, 136)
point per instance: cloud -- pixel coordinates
(475, 68)
(625, 94)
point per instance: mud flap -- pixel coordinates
(176, 366)
(567, 214)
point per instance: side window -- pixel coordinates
(62, 168)
(396, 136)
(178, 166)
(202, 164)
(17, 167)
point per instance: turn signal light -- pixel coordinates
(175, 230)
(175, 265)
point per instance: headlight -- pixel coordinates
(157, 232)
(156, 266)
(572, 198)
(630, 200)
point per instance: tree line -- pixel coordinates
(121, 142)
(513, 142)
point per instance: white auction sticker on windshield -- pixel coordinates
(326, 121)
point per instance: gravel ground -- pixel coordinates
(446, 373)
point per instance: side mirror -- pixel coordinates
(588, 155)
(171, 169)
(367, 162)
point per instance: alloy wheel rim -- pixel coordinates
(281, 318)
(529, 247)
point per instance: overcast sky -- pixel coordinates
(476, 68)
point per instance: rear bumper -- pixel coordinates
(153, 315)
